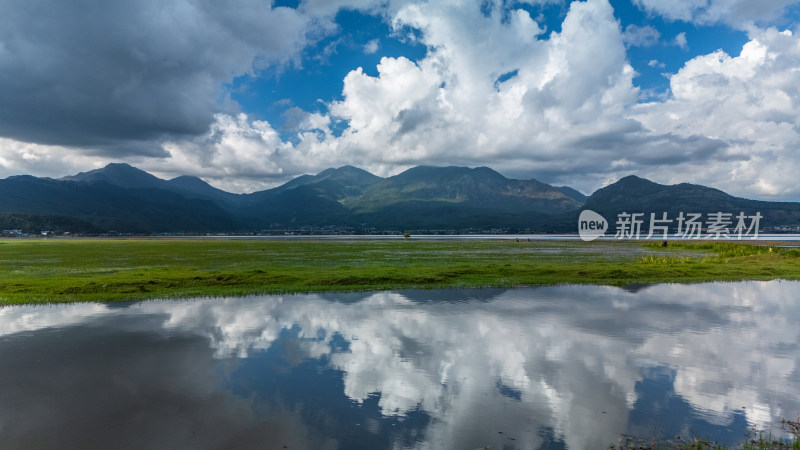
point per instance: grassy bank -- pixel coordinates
(757, 442)
(36, 271)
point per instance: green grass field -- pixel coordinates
(69, 270)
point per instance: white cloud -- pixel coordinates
(569, 114)
(743, 14)
(17, 158)
(493, 90)
(372, 46)
(564, 111)
(330, 7)
(751, 102)
(673, 10)
(239, 154)
(236, 154)
(450, 107)
(635, 36)
(680, 41)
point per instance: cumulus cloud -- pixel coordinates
(236, 152)
(635, 36)
(750, 102)
(569, 113)
(455, 107)
(493, 89)
(240, 154)
(55, 161)
(742, 14)
(372, 46)
(566, 111)
(680, 41)
(560, 109)
(106, 74)
(490, 91)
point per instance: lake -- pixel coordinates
(548, 367)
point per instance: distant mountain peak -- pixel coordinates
(118, 174)
(629, 185)
(448, 174)
(479, 188)
(351, 179)
(633, 179)
(187, 179)
(343, 169)
(121, 168)
(124, 198)
(194, 187)
(119, 165)
(347, 172)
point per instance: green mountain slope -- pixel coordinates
(123, 198)
(110, 207)
(119, 174)
(457, 198)
(633, 194)
(129, 177)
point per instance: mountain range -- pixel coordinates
(120, 198)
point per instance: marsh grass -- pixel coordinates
(37, 271)
(651, 259)
(762, 442)
(699, 444)
(756, 440)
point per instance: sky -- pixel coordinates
(248, 94)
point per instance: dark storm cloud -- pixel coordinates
(293, 118)
(596, 158)
(410, 119)
(645, 149)
(94, 73)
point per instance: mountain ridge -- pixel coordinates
(123, 198)
(636, 195)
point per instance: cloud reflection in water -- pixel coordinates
(569, 364)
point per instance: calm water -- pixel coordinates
(552, 367)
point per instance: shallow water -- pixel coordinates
(550, 367)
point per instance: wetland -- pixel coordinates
(70, 270)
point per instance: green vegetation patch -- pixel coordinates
(70, 270)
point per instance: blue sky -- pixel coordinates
(251, 93)
(319, 78)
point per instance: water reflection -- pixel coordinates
(550, 367)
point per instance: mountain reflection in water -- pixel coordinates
(547, 367)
